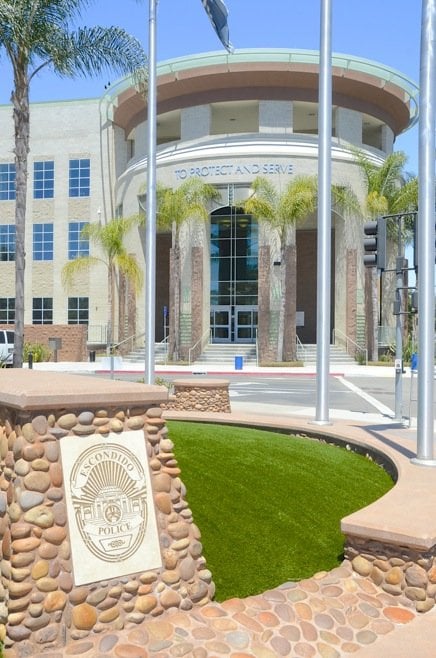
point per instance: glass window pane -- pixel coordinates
(79, 180)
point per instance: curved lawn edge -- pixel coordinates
(377, 455)
(293, 531)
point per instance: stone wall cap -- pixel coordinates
(30, 389)
(202, 383)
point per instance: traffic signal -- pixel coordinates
(374, 244)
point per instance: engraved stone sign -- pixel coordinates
(110, 507)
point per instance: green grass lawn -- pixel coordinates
(269, 505)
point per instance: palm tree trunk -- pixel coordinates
(110, 308)
(20, 100)
(281, 327)
(176, 319)
(371, 313)
(175, 282)
(122, 302)
(290, 320)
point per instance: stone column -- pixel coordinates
(93, 537)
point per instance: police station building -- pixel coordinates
(226, 119)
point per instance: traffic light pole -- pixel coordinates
(399, 337)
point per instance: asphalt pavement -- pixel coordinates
(366, 393)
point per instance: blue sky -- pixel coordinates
(387, 31)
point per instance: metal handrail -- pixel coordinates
(207, 333)
(257, 346)
(133, 337)
(337, 333)
(97, 333)
(300, 345)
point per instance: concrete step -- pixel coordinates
(223, 353)
(307, 354)
(138, 355)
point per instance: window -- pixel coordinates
(7, 182)
(42, 310)
(77, 246)
(43, 180)
(80, 174)
(43, 242)
(7, 310)
(7, 242)
(78, 310)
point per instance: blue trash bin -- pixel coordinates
(414, 362)
(239, 362)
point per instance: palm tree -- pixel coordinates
(389, 190)
(174, 208)
(34, 35)
(109, 239)
(282, 210)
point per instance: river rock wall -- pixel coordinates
(40, 605)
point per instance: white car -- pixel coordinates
(7, 339)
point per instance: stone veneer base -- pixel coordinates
(211, 395)
(399, 570)
(40, 605)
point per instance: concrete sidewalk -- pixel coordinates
(120, 366)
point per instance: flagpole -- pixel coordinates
(150, 222)
(426, 236)
(324, 217)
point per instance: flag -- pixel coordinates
(217, 12)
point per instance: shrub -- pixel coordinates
(40, 352)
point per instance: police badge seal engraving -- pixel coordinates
(109, 496)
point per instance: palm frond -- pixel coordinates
(345, 200)
(91, 51)
(189, 201)
(406, 199)
(259, 208)
(389, 176)
(128, 265)
(75, 267)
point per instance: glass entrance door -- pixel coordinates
(233, 274)
(220, 324)
(245, 324)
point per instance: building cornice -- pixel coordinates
(270, 74)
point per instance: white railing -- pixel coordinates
(257, 346)
(203, 341)
(133, 339)
(97, 334)
(164, 342)
(300, 348)
(340, 338)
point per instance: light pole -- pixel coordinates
(324, 218)
(150, 219)
(426, 237)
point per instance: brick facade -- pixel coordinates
(73, 336)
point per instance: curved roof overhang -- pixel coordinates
(357, 84)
